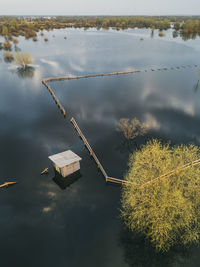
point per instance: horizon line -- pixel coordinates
(100, 15)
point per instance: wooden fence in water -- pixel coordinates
(52, 79)
(54, 98)
(75, 124)
(92, 154)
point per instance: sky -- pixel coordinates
(99, 7)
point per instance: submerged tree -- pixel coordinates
(8, 56)
(161, 34)
(23, 58)
(166, 210)
(15, 41)
(131, 128)
(7, 45)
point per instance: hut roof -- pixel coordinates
(64, 158)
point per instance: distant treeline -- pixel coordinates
(29, 26)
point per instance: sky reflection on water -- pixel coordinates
(42, 225)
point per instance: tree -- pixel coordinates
(15, 41)
(161, 34)
(131, 128)
(23, 58)
(4, 30)
(35, 39)
(177, 26)
(166, 211)
(8, 56)
(7, 45)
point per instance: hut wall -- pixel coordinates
(57, 168)
(67, 170)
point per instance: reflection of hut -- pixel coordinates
(66, 162)
(63, 183)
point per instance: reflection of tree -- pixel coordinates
(8, 59)
(188, 36)
(17, 49)
(175, 34)
(27, 72)
(131, 145)
(152, 31)
(196, 86)
(131, 130)
(138, 252)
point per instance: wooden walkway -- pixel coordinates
(75, 124)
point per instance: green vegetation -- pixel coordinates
(175, 33)
(15, 41)
(29, 27)
(35, 39)
(23, 58)
(166, 211)
(7, 45)
(8, 56)
(161, 34)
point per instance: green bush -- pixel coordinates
(161, 34)
(15, 41)
(8, 56)
(23, 58)
(7, 45)
(35, 39)
(166, 211)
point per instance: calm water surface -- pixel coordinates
(43, 225)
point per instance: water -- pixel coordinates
(43, 225)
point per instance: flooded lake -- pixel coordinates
(44, 225)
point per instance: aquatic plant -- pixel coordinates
(8, 56)
(161, 34)
(35, 39)
(23, 58)
(15, 41)
(7, 45)
(166, 211)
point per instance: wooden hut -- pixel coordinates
(66, 162)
